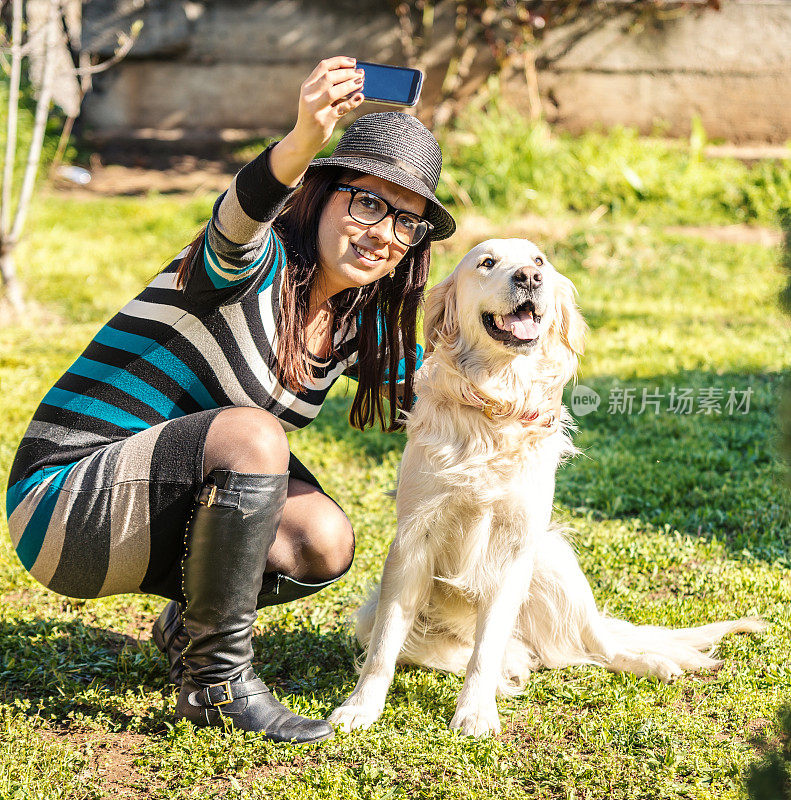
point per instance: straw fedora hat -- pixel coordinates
(398, 148)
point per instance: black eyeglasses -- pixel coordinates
(368, 208)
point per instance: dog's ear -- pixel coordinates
(441, 319)
(569, 324)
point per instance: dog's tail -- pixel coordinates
(662, 652)
(563, 626)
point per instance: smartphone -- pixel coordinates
(397, 86)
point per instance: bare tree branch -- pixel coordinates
(511, 32)
(13, 290)
(125, 44)
(53, 36)
(39, 123)
(12, 119)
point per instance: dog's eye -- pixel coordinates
(539, 261)
(487, 263)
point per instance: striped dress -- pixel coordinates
(104, 479)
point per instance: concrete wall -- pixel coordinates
(217, 65)
(201, 67)
(732, 68)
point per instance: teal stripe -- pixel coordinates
(380, 327)
(91, 407)
(160, 357)
(126, 382)
(280, 259)
(176, 369)
(17, 493)
(212, 265)
(121, 340)
(33, 537)
(260, 260)
(401, 375)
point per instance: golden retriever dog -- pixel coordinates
(478, 578)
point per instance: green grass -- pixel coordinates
(494, 159)
(500, 162)
(679, 519)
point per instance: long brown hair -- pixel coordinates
(385, 310)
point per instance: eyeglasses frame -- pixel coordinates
(391, 210)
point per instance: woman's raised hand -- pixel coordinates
(330, 91)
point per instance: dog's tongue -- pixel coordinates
(521, 324)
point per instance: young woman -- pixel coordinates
(159, 463)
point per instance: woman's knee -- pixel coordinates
(315, 540)
(243, 439)
(329, 548)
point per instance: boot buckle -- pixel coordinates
(227, 696)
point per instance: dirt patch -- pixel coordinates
(185, 175)
(748, 153)
(193, 175)
(759, 727)
(111, 759)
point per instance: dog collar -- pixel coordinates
(495, 411)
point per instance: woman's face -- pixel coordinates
(352, 253)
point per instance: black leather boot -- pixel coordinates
(170, 637)
(228, 540)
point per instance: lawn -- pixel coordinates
(680, 518)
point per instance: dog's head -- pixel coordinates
(505, 299)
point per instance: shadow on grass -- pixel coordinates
(64, 667)
(67, 668)
(333, 423)
(306, 661)
(713, 474)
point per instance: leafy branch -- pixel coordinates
(508, 34)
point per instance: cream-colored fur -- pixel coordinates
(478, 578)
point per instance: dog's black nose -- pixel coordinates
(529, 277)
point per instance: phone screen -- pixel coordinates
(388, 84)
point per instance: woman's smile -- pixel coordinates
(367, 255)
(352, 253)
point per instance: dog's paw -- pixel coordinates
(665, 669)
(349, 718)
(476, 720)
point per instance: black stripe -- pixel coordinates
(186, 352)
(79, 422)
(86, 545)
(112, 395)
(109, 355)
(34, 454)
(144, 370)
(221, 331)
(160, 332)
(260, 194)
(176, 475)
(181, 347)
(167, 297)
(252, 315)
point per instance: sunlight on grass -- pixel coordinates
(679, 519)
